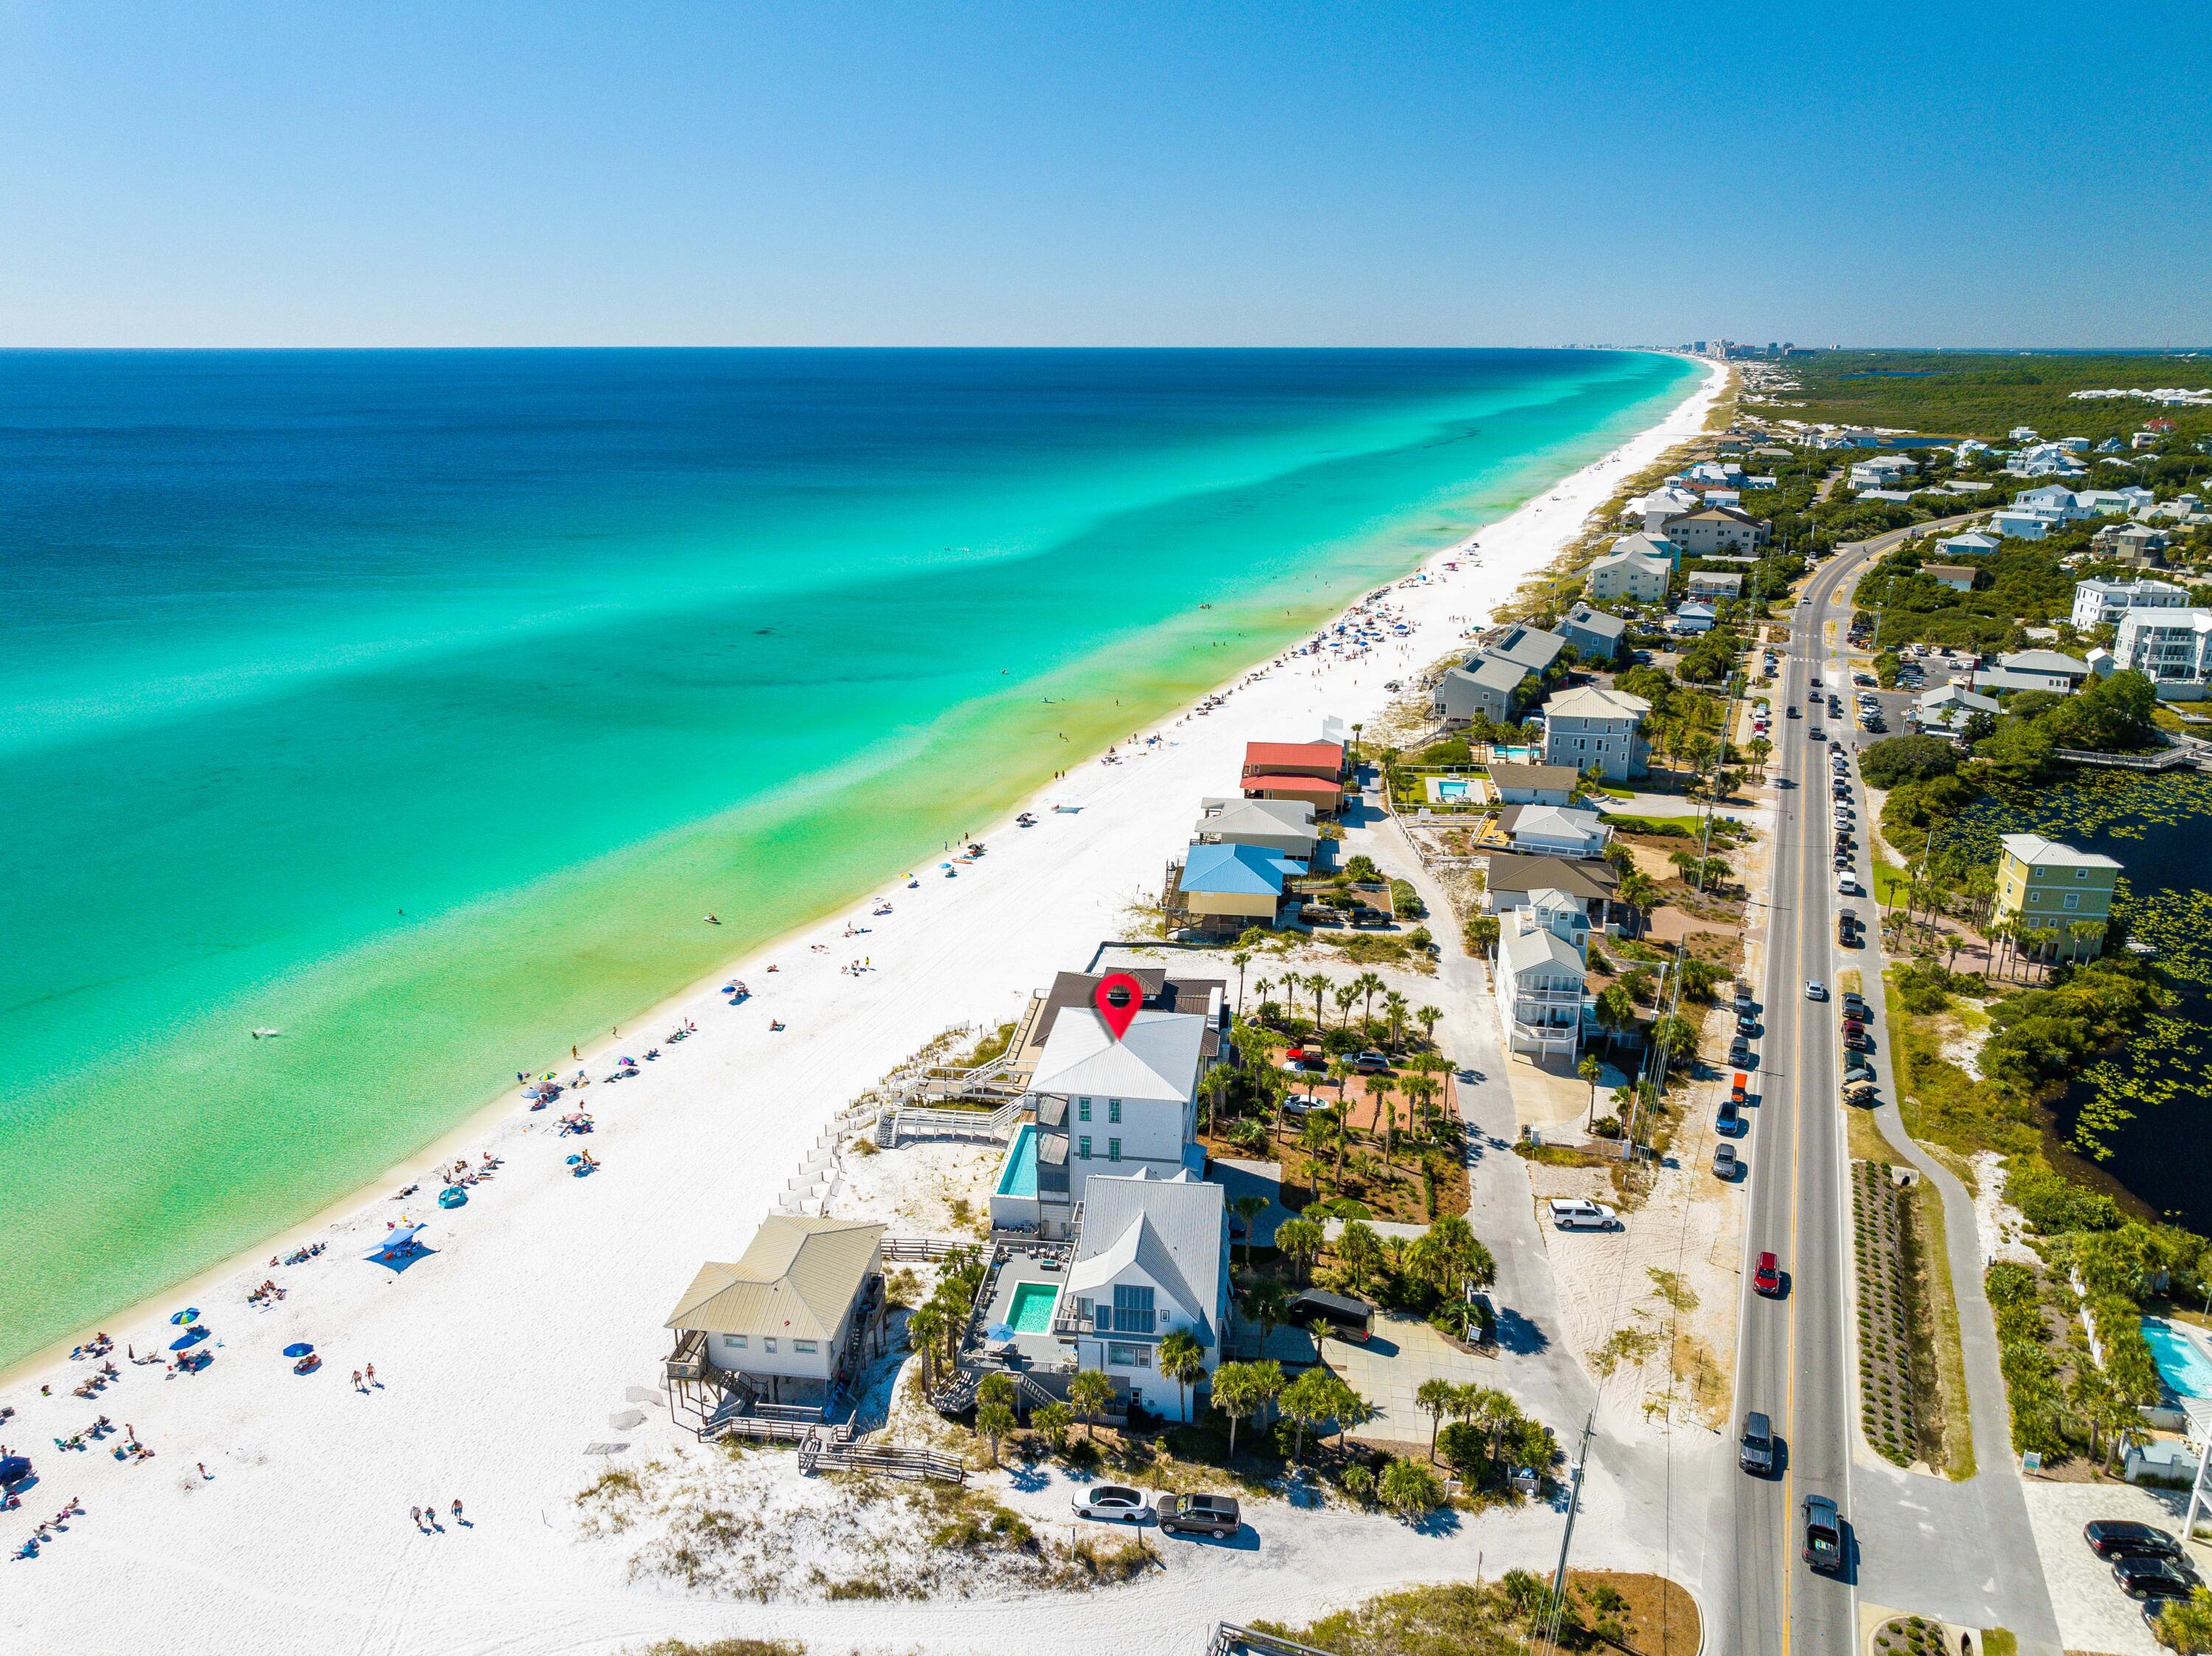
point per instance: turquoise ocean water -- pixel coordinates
(553, 651)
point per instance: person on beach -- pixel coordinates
(356, 1380)
(368, 1373)
(457, 1518)
(204, 1473)
(416, 1513)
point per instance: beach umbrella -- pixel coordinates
(190, 1336)
(998, 1331)
(188, 1314)
(298, 1349)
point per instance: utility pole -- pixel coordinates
(1567, 1537)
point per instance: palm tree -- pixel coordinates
(1380, 1087)
(1434, 1395)
(2082, 933)
(1426, 1017)
(1241, 959)
(1182, 1360)
(1590, 1069)
(1248, 1207)
(926, 1326)
(1300, 1241)
(1090, 1394)
(1394, 1013)
(1616, 1012)
(1267, 1302)
(1370, 986)
(1344, 998)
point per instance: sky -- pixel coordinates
(326, 172)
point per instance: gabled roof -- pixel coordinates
(1157, 1058)
(1713, 514)
(2042, 661)
(1525, 951)
(1559, 821)
(797, 1276)
(1531, 647)
(1172, 1230)
(1494, 673)
(2038, 852)
(1511, 871)
(1595, 702)
(1239, 815)
(1281, 755)
(1601, 622)
(1320, 786)
(1238, 870)
(1647, 545)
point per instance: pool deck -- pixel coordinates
(1037, 1351)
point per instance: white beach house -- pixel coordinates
(791, 1320)
(2173, 646)
(1150, 1259)
(1540, 974)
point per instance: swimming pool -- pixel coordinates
(1031, 1310)
(1018, 1177)
(2181, 1360)
(1453, 791)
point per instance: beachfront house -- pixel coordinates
(1597, 635)
(1533, 784)
(1715, 584)
(1104, 1106)
(793, 1321)
(1540, 973)
(1648, 512)
(1309, 771)
(1531, 648)
(1592, 728)
(1715, 529)
(1514, 881)
(1485, 686)
(1631, 577)
(1150, 1259)
(1973, 544)
(1284, 825)
(1160, 990)
(1227, 889)
(1551, 830)
(2045, 886)
(2170, 646)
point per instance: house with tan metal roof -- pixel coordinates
(791, 1321)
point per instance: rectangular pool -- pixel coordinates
(1018, 1177)
(2181, 1360)
(1031, 1310)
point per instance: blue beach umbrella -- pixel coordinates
(298, 1349)
(190, 1336)
(998, 1331)
(190, 1314)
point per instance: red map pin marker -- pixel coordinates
(1117, 999)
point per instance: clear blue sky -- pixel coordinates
(305, 173)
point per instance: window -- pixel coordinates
(1113, 1150)
(1114, 1110)
(807, 1348)
(1082, 1148)
(736, 1342)
(2080, 873)
(1128, 1356)
(1133, 1310)
(1083, 1109)
(2073, 900)
(768, 1345)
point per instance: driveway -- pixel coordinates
(1390, 1367)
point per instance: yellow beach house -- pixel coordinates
(2044, 886)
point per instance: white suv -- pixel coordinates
(1577, 1213)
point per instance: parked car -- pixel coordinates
(1371, 1062)
(1847, 886)
(1754, 1448)
(1740, 1050)
(1348, 1319)
(1727, 1164)
(1824, 1535)
(1856, 1008)
(2152, 1577)
(1746, 1024)
(1216, 1515)
(1861, 1092)
(1766, 1279)
(1116, 1501)
(1855, 1069)
(2117, 1538)
(1737, 1094)
(1729, 1118)
(1580, 1213)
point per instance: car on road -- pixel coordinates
(1754, 1447)
(1766, 1277)
(1824, 1535)
(1115, 1501)
(1791, 711)
(1216, 1515)
(1580, 1213)
(1371, 1062)
(2117, 1538)
(1817, 734)
(1815, 989)
(1727, 1164)
(2153, 1578)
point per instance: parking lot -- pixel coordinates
(2094, 1614)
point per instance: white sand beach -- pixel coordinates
(534, 1324)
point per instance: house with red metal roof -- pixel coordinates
(1310, 771)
